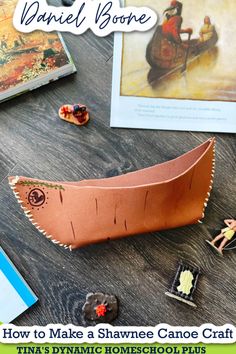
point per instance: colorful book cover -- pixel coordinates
(28, 60)
(15, 295)
(180, 75)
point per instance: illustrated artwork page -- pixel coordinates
(181, 74)
(26, 57)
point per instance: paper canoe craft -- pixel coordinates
(75, 214)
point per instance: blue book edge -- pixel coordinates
(16, 280)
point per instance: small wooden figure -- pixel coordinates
(76, 114)
(184, 284)
(224, 237)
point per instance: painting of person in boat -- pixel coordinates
(189, 54)
(167, 51)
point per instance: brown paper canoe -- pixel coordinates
(75, 214)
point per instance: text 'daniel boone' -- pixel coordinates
(101, 16)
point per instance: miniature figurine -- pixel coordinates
(225, 236)
(76, 114)
(184, 284)
(100, 308)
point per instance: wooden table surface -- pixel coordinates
(34, 142)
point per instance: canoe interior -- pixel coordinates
(156, 174)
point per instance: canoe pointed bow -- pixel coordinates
(31, 194)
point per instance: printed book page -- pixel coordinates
(181, 74)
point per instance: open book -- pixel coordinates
(28, 61)
(15, 295)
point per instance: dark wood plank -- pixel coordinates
(35, 142)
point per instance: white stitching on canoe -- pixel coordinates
(30, 216)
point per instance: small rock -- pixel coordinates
(100, 308)
(67, 2)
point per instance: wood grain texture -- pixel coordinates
(34, 142)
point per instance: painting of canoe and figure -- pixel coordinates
(189, 55)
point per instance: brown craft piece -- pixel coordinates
(76, 114)
(75, 214)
